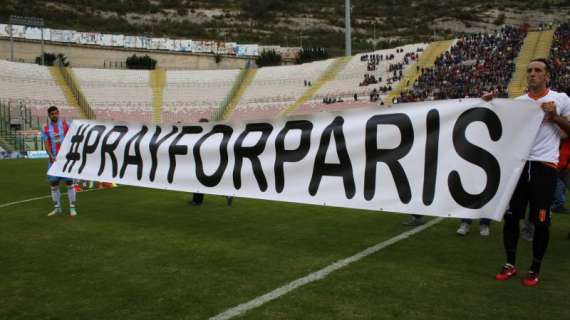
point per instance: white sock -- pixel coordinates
(55, 196)
(71, 195)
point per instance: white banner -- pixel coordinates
(4, 30)
(130, 41)
(62, 35)
(455, 158)
(34, 33)
(117, 40)
(18, 31)
(247, 50)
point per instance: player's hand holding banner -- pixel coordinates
(444, 158)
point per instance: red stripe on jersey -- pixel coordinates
(56, 135)
(65, 127)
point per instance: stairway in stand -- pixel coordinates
(157, 83)
(65, 79)
(536, 45)
(426, 60)
(242, 82)
(329, 74)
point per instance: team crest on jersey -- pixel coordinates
(542, 215)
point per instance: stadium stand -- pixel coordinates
(426, 60)
(157, 84)
(275, 88)
(536, 45)
(386, 71)
(560, 59)
(117, 95)
(475, 64)
(192, 95)
(33, 86)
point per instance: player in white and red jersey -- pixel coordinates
(537, 182)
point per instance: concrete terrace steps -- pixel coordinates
(426, 60)
(157, 82)
(329, 74)
(67, 92)
(536, 45)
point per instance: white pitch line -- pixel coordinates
(23, 201)
(318, 275)
(4, 205)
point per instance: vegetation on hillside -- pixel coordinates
(376, 23)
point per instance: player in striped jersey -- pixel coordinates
(52, 135)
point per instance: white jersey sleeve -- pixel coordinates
(564, 107)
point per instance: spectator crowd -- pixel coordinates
(475, 64)
(560, 58)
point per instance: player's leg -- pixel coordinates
(543, 184)
(517, 208)
(72, 196)
(55, 195)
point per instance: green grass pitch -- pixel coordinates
(135, 253)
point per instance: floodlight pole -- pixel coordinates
(11, 43)
(43, 52)
(347, 32)
(26, 21)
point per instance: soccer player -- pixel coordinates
(538, 180)
(52, 135)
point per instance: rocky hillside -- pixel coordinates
(376, 23)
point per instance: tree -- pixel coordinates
(51, 58)
(141, 62)
(311, 54)
(268, 58)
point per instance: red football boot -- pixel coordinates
(506, 273)
(531, 279)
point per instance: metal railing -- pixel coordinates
(17, 126)
(77, 94)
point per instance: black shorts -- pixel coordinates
(535, 189)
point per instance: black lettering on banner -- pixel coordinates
(390, 157)
(90, 148)
(282, 155)
(154, 145)
(73, 155)
(252, 153)
(216, 177)
(430, 165)
(109, 148)
(477, 156)
(135, 160)
(176, 149)
(342, 169)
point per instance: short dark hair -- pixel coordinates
(546, 64)
(51, 109)
(203, 120)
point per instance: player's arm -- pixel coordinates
(488, 96)
(47, 147)
(551, 115)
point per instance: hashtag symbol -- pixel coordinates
(73, 155)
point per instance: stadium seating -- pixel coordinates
(117, 95)
(347, 82)
(274, 88)
(475, 64)
(192, 95)
(33, 86)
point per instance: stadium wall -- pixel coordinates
(96, 57)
